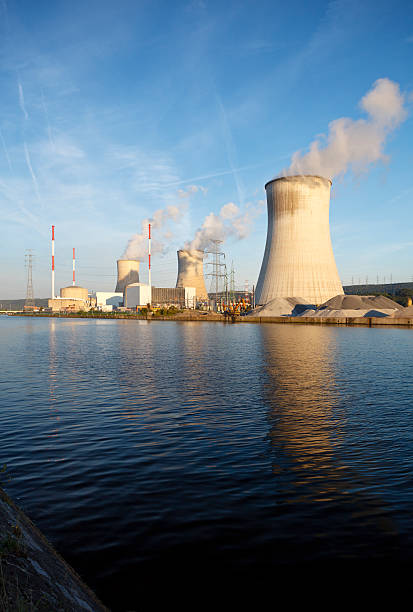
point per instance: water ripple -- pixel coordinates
(162, 450)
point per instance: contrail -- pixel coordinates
(34, 179)
(5, 13)
(230, 147)
(49, 130)
(224, 172)
(21, 101)
(28, 218)
(6, 151)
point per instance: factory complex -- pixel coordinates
(130, 294)
(298, 275)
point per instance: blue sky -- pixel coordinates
(112, 110)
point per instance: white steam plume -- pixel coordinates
(355, 144)
(190, 190)
(230, 221)
(137, 247)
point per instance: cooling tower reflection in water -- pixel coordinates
(301, 392)
(307, 420)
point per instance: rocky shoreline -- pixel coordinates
(33, 576)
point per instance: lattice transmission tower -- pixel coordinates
(219, 272)
(29, 303)
(232, 284)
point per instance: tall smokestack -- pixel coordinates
(128, 272)
(191, 272)
(149, 258)
(74, 280)
(53, 292)
(298, 259)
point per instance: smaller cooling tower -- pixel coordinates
(191, 272)
(128, 273)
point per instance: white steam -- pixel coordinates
(137, 247)
(230, 221)
(354, 144)
(190, 190)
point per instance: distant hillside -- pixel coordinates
(18, 304)
(389, 288)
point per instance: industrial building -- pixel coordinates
(73, 299)
(181, 297)
(107, 301)
(140, 295)
(137, 295)
(191, 272)
(298, 259)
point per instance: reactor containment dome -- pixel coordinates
(298, 258)
(191, 272)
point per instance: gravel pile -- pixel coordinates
(402, 313)
(356, 302)
(343, 306)
(280, 307)
(349, 313)
(347, 306)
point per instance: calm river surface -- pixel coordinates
(153, 454)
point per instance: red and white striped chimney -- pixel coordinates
(149, 253)
(74, 267)
(53, 293)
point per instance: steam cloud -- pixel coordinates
(137, 247)
(354, 144)
(230, 221)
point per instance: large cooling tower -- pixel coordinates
(298, 258)
(128, 272)
(191, 272)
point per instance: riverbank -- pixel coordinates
(33, 576)
(218, 318)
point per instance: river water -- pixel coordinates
(152, 453)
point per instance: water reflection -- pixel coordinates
(162, 366)
(52, 380)
(301, 390)
(307, 420)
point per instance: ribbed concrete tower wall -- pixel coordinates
(191, 272)
(298, 259)
(128, 273)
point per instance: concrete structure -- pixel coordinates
(191, 272)
(182, 297)
(74, 292)
(128, 273)
(107, 301)
(137, 295)
(298, 258)
(71, 304)
(73, 299)
(190, 297)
